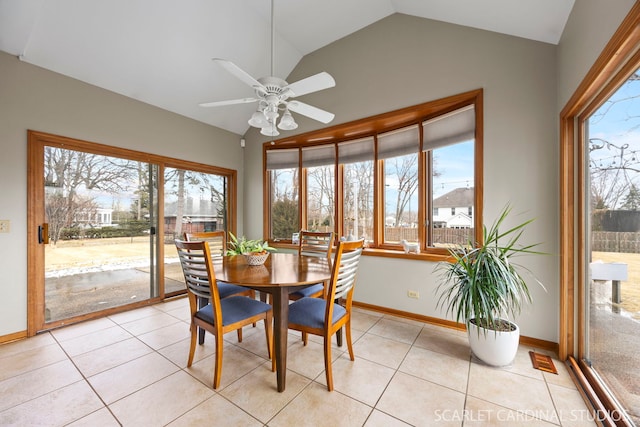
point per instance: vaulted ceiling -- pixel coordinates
(159, 51)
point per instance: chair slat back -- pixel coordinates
(315, 243)
(217, 240)
(199, 275)
(345, 267)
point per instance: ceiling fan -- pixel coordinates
(273, 96)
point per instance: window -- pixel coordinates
(449, 141)
(282, 167)
(319, 164)
(384, 178)
(357, 161)
(398, 150)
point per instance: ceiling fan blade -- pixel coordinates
(229, 102)
(238, 72)
(310, 111)
(313, 83)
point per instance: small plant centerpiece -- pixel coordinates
(483, 286)
(255, 252)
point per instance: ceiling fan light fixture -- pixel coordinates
(271, 113)
(287, 122)
(272, 94)
(270, 130)
(258, 120)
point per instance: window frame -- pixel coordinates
(616, 61)
(372, 127)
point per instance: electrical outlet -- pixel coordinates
(4, 225)
(413, 294)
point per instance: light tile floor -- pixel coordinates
(130, 369)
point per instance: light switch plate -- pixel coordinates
(4, 225)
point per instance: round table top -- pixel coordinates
(280, 269)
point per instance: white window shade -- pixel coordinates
(360, 150)
(282, 159)
(318, 156)
(399, 142)
(451, 128)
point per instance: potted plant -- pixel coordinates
(483, 286)
(255, 252)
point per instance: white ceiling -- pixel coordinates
(159, 51)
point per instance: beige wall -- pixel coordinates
(33, 98)
(402, 61)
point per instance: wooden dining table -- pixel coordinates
(281, 274)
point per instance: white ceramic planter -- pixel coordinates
(494, 348)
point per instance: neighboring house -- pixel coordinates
(454, 209)
(198, 215)
(94, 218)
(193, 223)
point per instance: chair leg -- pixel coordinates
(347, 328)
(217, 368)
(252, 295)
(327, 362)
(268, 330)
(192, 346)
(201, 303)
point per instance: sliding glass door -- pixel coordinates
(101, 213)
(193, 202)
(102, 222)
(612, 291)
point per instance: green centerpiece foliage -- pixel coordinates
(243, 246)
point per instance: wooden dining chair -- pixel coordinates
(319, 244)
(325, 316)
(221, 315)
(218, 246)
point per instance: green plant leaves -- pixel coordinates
(483, 282)
(242, 246)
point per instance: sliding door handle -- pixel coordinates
(43, 234)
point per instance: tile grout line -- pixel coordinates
(86, 380)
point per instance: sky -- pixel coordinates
(614, 138)
(617, 122)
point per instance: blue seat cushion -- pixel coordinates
(310, 312)
(308, 291)
(234, 309)
(227, 289)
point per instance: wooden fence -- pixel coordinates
(455, 236)
(615, 241)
